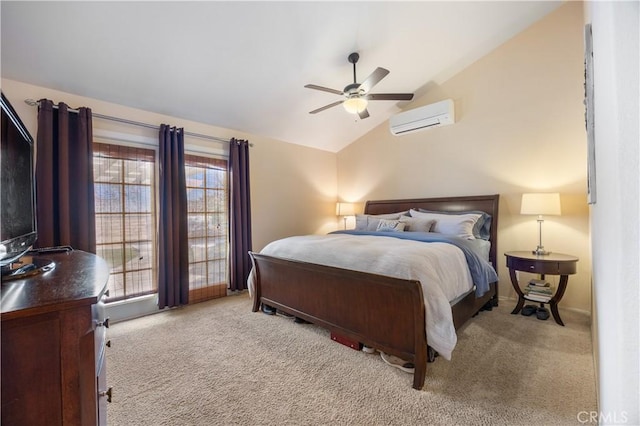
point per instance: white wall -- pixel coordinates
(615, 216)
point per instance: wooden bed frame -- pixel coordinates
(379, 311)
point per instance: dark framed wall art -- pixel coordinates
(589, 116)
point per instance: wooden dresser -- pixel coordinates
(53, 344)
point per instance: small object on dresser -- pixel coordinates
(51, 250)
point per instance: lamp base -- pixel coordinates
(540, 251)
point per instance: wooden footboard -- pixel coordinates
(382, 312)
(470, 305)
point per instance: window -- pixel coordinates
(207, 206)
(125, 191)
(124, 180)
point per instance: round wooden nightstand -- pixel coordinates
(552, 264)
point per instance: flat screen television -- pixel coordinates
(18, 230)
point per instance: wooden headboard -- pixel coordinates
(485, 203)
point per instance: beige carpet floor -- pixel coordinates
(218, 363)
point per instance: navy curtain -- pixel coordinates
(239, 215)
(65, 207)
(173, 258)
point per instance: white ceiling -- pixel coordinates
(243, 65)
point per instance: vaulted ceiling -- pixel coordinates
(243, 65)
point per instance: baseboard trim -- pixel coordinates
(568, 308)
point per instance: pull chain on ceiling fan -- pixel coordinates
(357, 95)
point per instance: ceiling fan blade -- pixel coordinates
(390, 96)
(324, 89)
(325, 107)
(363, 114)
(373, 79)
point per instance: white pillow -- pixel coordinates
(416, 224)
(456, 225)
(369, 222)
(390, 225)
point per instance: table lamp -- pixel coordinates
(540, 204)
(345, 209)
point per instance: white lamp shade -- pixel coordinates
(345, 209)
(355, 105)
(540, 204)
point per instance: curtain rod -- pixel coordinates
(31, 102)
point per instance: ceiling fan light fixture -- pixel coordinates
(358, 94)
(355, 105)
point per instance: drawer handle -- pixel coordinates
(107, 393)
(104, 323)
(532, 267)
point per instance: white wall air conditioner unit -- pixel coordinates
(434, 115)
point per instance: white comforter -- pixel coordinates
(441, 268)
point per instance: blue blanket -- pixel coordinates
(482, 272)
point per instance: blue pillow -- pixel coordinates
(481, 229)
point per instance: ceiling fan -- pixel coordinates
(357, 94)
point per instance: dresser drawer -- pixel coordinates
(101, 323)
(103, 392)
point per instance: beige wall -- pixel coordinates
(293, 191)
(293, 187)
(519, 128)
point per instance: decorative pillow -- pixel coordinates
(459, 225)
(390, 225)
(369, 222)
(361, 222)
(416, 224)
(482, 228)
